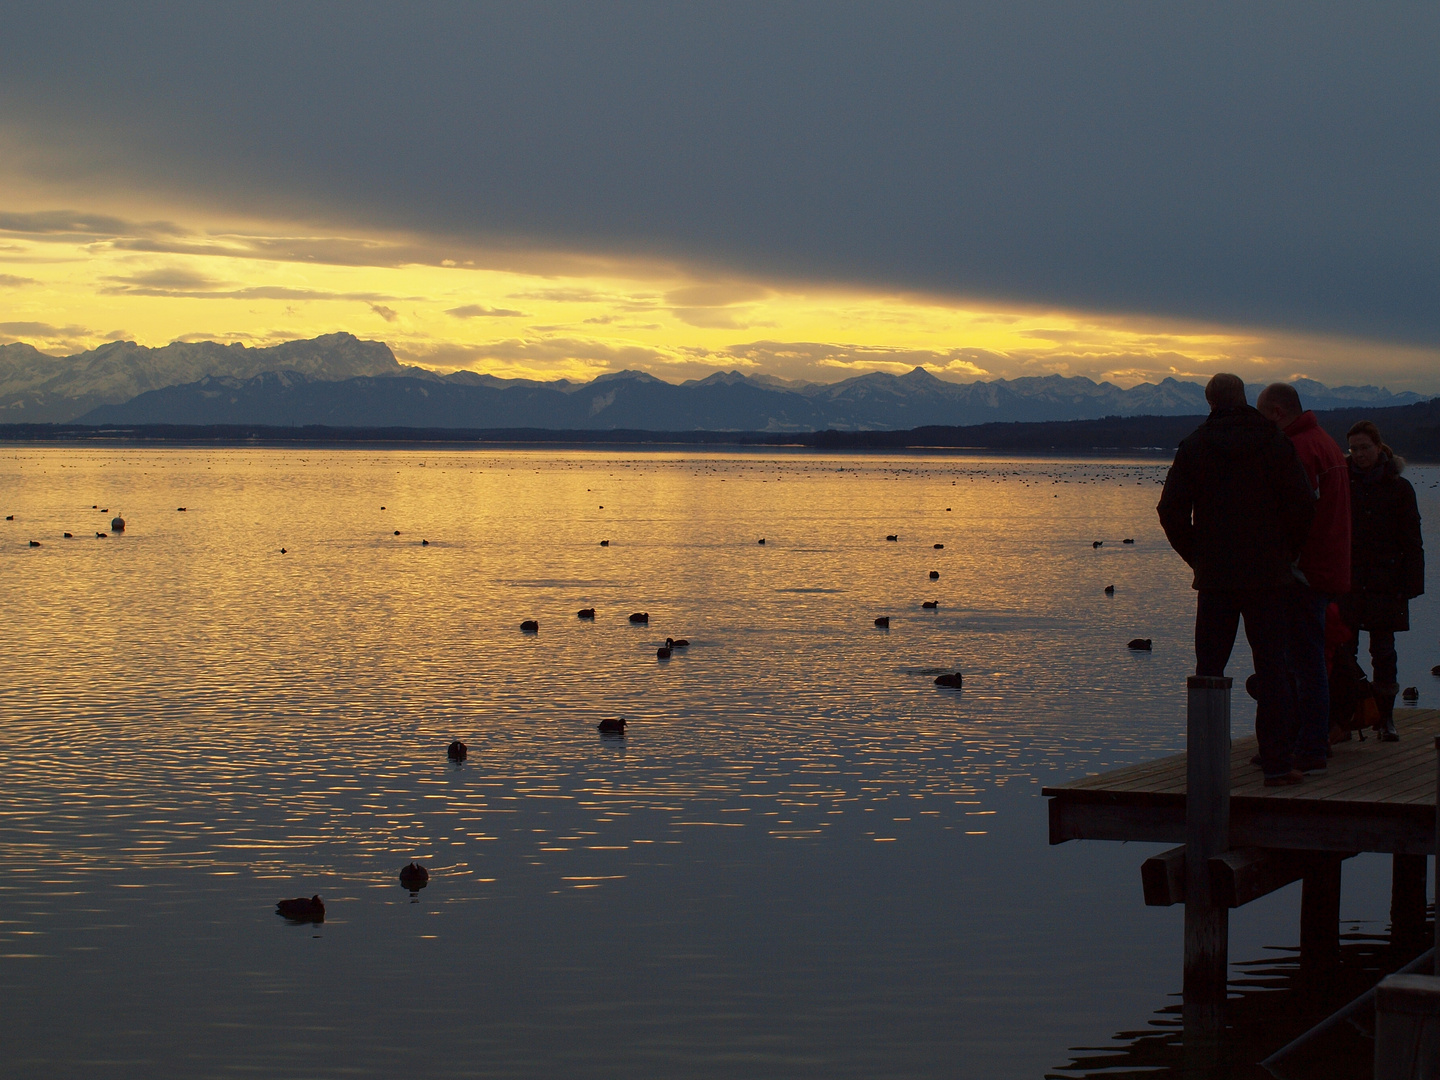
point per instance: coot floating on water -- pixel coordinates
(529, 626)
(302, 909)
(1139, 644)
(640, 617)
(585, 613)
(616, 725)
(456, 751)
(955, 680)
(883, 622)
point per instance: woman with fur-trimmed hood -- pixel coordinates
(1387, 559)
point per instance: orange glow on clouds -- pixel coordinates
(72, 281)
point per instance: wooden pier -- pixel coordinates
(1239, 840)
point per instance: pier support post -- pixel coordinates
(1320, 912)
(1407, 899)
(1207, 833)
(1437, 853)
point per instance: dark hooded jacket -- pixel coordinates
(1387, 556)
(1237, 506)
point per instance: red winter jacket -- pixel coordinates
(1325, 558)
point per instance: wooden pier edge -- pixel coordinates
(1240, 841)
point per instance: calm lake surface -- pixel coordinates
(803, 860)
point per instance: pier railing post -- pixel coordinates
(1207, 833)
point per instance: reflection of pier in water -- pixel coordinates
(1272, 1000)
(1241, 840)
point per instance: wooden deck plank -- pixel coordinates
(1374, 796)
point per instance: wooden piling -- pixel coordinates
(1207, 834)
(1320, 911)
(1407, 1028)
(1407, 898)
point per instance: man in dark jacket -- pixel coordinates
(1237, 507)
(1324, 567)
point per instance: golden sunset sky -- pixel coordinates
(583, 215)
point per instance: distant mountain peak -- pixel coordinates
(637, 376)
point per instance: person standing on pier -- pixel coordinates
(1237, 508)
(1324, 569)
(1387, 561)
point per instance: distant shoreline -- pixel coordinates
(1413, 430)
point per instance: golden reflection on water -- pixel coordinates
(183, 691)
(186, 698)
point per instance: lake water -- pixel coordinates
(803, 859)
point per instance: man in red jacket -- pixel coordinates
(1324, 564)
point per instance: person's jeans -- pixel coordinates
(1217, 616)
(1305, 660)
(1384, 660)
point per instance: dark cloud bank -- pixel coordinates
(1270, 164)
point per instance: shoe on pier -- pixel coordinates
(1294, 776)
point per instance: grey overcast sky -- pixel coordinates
(1272, 165)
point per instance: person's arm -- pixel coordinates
(1177, 503)
(1293, 494)
(1412, 546)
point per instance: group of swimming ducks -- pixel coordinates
(638, 618)
(311, 909)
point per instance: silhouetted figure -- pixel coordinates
(1237, 508)
(414, 877)
(883, 622)
(456, 751)
(302, 909)
(954, 680)
(1139, 644)
(1387, 561)
(585, 613)
(529, 626)
(1322, 570)
(640, 618)
(612, 726)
